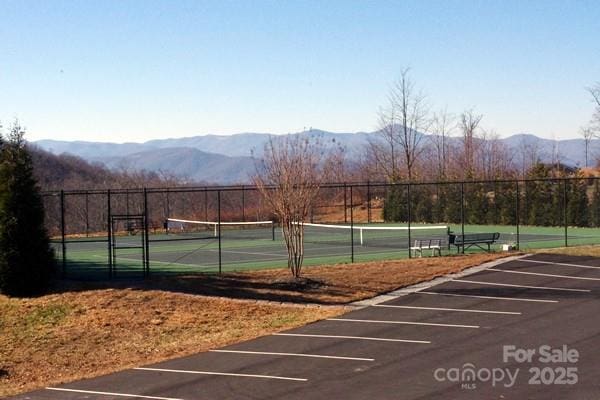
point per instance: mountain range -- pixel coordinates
(231, 159)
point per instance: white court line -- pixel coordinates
(449, 309)
(554, 263)
(139, 396)
(353, 337)
(373, 321)
(248, 252)
(488, 297)
(182, 371)
(520, 286)
(269, 353)
(548, 275)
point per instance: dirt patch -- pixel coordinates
(332, 284)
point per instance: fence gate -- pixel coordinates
(128, 246)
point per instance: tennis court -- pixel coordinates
(258, 245)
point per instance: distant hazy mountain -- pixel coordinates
(227, 159)
(238, 145)
(188, 163)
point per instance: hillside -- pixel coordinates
(228, 159)
(189, 164)
(66, 171)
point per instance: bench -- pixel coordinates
(435, 245)
(474, 239)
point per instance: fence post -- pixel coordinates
(243, 203)
(518, 213)
(462, 212)
(351, 226)
(369, 202)
(109, 232)
(87, 214)
(62, 233)
(219, 225)
(345, 205)
(409, 217)
(565, 216)
(206, 203)
(146, 251)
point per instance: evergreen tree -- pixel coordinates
(541, 197)
(422, 204)
(437, 207)
(451, 199)
(577, 206)
(476, 204)
(26, 259)
(506, 203)
(394, 208)
(595, 205)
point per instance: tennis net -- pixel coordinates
(373, 236)
(208, 229)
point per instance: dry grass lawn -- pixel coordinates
(82, 332)
(590, 251)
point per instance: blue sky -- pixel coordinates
(141, 70)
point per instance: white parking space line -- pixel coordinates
(182, 371)
(270, 353)
(555, 263)
(548, 275)
(520, 286)
(372, 321)
(448, 309)
(353, 337)
(474, 296)
(137, 396)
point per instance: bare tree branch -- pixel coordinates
(289, 177)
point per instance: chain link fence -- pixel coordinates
(102, 234)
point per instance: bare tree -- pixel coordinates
(595, 122)
(401, 127)
(442, 125)
(530, 155)
(289, 176)
(495, 159)
(469, 123)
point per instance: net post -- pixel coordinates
(518, 213)
(219, 227)
(273, 230)
(462, 213)
(409, 217)
(110, 233)
(565, 215)
(62, 233)
(351, 226)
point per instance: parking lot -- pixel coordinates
(527, 328)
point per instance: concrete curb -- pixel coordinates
(427, 284)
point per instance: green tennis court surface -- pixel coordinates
(246, 249)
